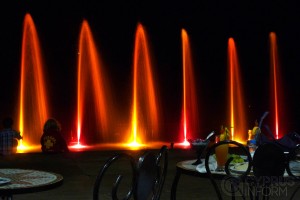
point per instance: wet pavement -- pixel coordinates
(80, 169)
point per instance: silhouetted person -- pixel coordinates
(52, 140)
(8, 137)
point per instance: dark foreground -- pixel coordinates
(80, 169)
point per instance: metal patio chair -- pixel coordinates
(145, 176)
(269, 163)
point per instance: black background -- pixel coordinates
(209, 24)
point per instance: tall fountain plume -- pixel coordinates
(279, 116)
(144, 113)
(92, 91)
(189, 116)
(237, 112)
(33, 98)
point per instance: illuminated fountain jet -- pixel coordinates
(94, 101)
(279, 114)
(237, 109)
(189, 116)
(92, 92)
(33, 110)
(144, 111)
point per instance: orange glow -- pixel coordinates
(33, 99)
(276, 84)
(190, 118)
(249, 134)
(238, 121)
(144, 116)
(100, 146)
(134, 145)
(24, 148)
(91, 94)
(241, 141)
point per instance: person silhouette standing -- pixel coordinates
(9, 137)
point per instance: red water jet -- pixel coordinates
(279, 115)
(189, 116)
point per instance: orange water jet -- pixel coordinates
(92, 91)
(144, 113)
(33, 99)
(237, 113)
(189, 116)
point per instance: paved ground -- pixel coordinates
(80, 169)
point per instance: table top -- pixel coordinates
(187, 165)
(27, 180)
(189, 168)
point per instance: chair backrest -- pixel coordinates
(162, 168)
(148, 175)
(269, 164)
(104, 169)
(269, 161)
(151, 173)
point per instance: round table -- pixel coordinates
(27, 180)
(186, 167)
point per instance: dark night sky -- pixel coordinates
(209, 24)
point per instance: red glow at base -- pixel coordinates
(185, 144)
(77, 146)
